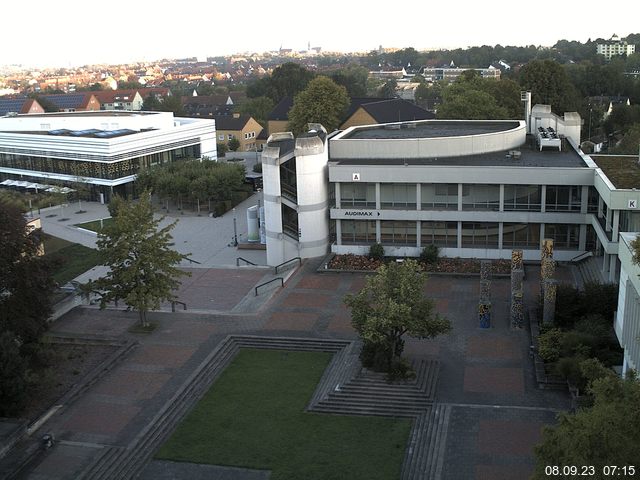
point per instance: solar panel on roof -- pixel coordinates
(71, 100)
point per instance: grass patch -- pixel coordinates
(254, 417)
(69, 259)
(623, 171)
(95, 225)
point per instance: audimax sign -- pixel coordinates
(361, 213)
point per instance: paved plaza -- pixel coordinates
(486, 375)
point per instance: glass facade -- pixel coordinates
(564, 236)
(360, 195)
(289, 221)
(480, 235)
(522, 198)
(398, 232)
(96, 169)
(521, 235)
(356, 232)
(562, 198)
(439, 196)
(481, 197)
(288, 180)
(401, 196)
(442, 234)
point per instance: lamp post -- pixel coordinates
(235, 229)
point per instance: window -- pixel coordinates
(358, 232)
(290, 221)
(481, 197)
(564, 236)
(230, 136)
(398, 232)
(439, 196)
(522, 198)
(362, 195)
(521, 235)
(442, 234)
(562, 198)
(480, 235)
(400, 196)
(221, 137)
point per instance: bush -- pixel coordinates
(549, 345)
(400, 369)
(257, 168)
(429, 254)
(222, 149)
(573, 304)
(376, 251)
(234, 144)
(569, 368)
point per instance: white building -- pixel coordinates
(614, 47)
(627, 321)
(105, 150)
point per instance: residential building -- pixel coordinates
(104, 150)
(449, 74)
(386, 111)
(19, 105)
(207, 106)
(615, 47)
(242, 127)
(119, 100)
(74, 102)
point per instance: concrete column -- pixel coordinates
(582, 239)
(501, 206)
(500, 232)
(541, 234)
(338, 232)
(338, 195)
(378, 231)
(418, 197)
(613, 268)
(459, 234)
(600, 205)
(608, 220)
(378, 200)
(543, 201)
(584, 202)
(615, 225)
(418, 236)
(459, 198)
(605, 263)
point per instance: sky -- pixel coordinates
(73, 33)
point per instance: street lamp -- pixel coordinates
(235, 229)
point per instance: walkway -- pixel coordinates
(495, 411)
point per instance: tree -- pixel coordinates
(259, 108)
(142, 267)
(25, 280)
(630, 143)
(388, 90)
(549, 84)
(151, 104)
(13, 372)
(321, 102)
(608, 433)
(234, 144)
(353, 78)
(287, 80)
(390, 305)
(222, 149)
(470, 104)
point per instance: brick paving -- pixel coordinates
(486, 376)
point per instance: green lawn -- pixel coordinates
(94, 225)
(69, 259)
(254, 417)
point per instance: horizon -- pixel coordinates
(165, 35)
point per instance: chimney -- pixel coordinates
(236, 115)
(525, 97)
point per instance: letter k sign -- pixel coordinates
(633, 204)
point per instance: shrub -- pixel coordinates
(376, 251)
(222, 149)
(257, 168)
(429, 254)
(400, 369)
(549, 345)
(569, 368)
(234, 144)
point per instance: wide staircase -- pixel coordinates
(590, 271)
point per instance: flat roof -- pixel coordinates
(92, 113)
(430, 129)
(622, 170)
(529, 157)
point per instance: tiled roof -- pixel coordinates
(70, 100)
(281, 110)
(18, 105)
(396, 110)
(229, 122)
(111, 96)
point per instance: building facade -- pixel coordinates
(615, 47)
(105, 150)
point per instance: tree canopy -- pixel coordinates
(549, 84)
(143, 268)
(323, 101)
(392, 304)
(287, 80)
(608, 433)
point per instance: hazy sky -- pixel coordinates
(39, 33)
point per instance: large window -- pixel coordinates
(480, 235)
(562, 198)
(522, 197)
(442, 234)
(290, 221)
(401, 196)
(288, 181)
(592, 203)
(521, 235)
(358, 232)
(360, 195)
(564, 236)
(398, 232)
(439, 196)
(481, 197)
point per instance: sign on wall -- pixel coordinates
(632, 204)
(361, 213)
(355, 177)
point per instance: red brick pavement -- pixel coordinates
(320, 282)
(164, 355)
(301, 299)
(494, 347)
(292, 321)
(183, 331)
(132, 384)
(494, 380)
(91, 416)
(502, 437)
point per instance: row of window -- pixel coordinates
(445, 196)
(231, 136)
(445, 234)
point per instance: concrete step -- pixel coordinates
(357, 410)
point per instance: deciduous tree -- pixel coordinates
(321, 102)
(142, 265)
(392, 304)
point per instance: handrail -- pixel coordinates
(288, 261)
(267, 283)
(173, 305)
(586, 254)
(193, 261)
(244, 260)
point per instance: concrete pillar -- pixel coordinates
(613, 268)
(501, 205)
(582, 239)
(543, 201)
(459, 234)
(338, 194)
(500, 232)
(615, 225)
(608, 220)
(418, 197)
(584, 199)
(459, 197)
(549, 302)
(378, 200)
(605, 263)
(338, 232)
(600, 206)
(541, 234)
(378, 231)
(418, 235)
